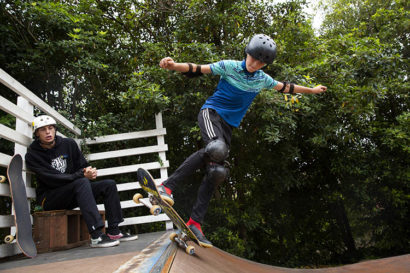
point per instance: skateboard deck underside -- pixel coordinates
(21, 208)
(148, 185)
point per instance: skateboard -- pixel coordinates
(156, 205)
(21, 208)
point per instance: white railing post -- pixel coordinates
(161, 141)
(25, 129)
(162, 156)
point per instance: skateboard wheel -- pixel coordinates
(155, 210)
(8, 239)
(173, 236)
(136, 198)
(2, 178)
(190, 250)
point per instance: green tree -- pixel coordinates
(314, 179)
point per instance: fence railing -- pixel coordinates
(22, 137)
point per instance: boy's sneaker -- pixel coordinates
(104, 241)
(123, 237)
(201, 237)
(167, 197)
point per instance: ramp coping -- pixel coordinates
(153, 258)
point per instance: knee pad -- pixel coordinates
(217, 150)
(217, 173)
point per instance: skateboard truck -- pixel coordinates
(151, 203)
(185, 234)
(182, 240)
(154, 208)
(9, 238)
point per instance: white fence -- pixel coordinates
(21, 136)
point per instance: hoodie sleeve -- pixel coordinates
(79, 160)
(47, 175)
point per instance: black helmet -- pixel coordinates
(262, 48)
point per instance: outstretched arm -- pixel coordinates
(299, 89)
(168, 63)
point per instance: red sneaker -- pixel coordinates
(166, 194)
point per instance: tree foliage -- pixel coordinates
(314, 179)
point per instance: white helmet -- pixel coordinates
(42, 121)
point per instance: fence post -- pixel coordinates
(161, 141)
(162, 156)
(25, 129)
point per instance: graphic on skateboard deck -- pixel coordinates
(156, 205)
(21, 208)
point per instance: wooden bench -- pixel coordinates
(60, 229)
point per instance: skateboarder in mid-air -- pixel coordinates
(240, 82)
(64, 182)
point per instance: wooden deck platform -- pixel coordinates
(154, 252)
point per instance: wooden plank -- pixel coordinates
(135, 185)
(132, 168)
(9, 107)
(128, 186)
(124, 205)
(161, 141)
(21, 90)
(25, 129)
(14, 136)
(58, 231)
(9, 250)
(5, 191)
(6, 221)
(143, 220)
(73, 228)
(4, 160)
(41, 233)
(127, 152)
(125, 136)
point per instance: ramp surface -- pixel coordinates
(217, 261)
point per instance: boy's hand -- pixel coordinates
(319, 89)
(90, 173)
(167, 63)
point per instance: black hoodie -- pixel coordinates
(57, 166)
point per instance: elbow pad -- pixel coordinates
(191, 74)
(291, 88)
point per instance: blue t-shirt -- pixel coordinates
(236, 90)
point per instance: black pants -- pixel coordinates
(212, 127)
(83, 193)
